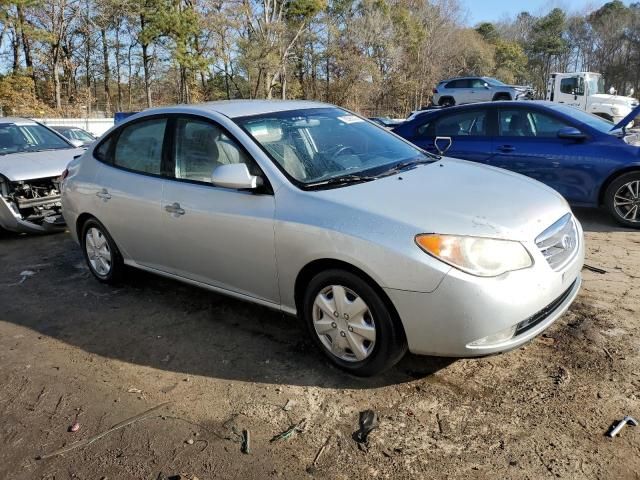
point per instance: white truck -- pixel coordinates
(585, 90)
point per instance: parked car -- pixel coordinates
(83, 137)
(309, 209)
(386, 122)
(32, 158)
(458, 91)
(589, 160)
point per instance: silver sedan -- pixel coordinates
(307, 208)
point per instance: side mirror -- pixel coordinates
(234, 175)
(571, 133)
(76, 143)
(486, 85)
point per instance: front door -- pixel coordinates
(218, 236)
(571, 92)
(131, 190)
(528, 143)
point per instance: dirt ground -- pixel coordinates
(72, 349)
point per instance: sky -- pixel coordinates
(495, 10)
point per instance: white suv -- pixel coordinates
(456, 91)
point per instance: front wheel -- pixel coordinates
(351, 324)
(622, 199)
(100, 252)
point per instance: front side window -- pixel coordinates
(200, 147)
(473, 123)
(15, 138)
(477, 83)
(523, 123)
(139, 146)
(572, 86)
(317, 144)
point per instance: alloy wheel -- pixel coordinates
(344, 324)
(98, 251)
(626, 201)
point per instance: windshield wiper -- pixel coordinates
(408, 163)
(343, 180)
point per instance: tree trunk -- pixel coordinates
(15, 45)
(145, 66)
(107, 76)
(118, 77)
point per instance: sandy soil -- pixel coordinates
(73, 349)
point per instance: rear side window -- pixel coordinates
(470, 124)
(460, 83)
(139, 146)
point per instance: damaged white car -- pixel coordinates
(32, 160)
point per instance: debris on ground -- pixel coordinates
(134, 390)
(289, 405)
(617, 427)
(321, 451)
(368, 421)
(299, 427)
(189, 442)
(89, 441)
(75, 426)
(562, 376)
(594, 269)
(246, 441)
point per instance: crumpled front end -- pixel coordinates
(31, 206)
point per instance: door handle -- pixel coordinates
(506, 148)
(103, 194)
(175, 209)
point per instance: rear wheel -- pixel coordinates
(351, 324)
(100, 252)
(622, 199)
(447, 102)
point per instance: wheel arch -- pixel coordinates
(80, 221)
(446, 97)
(501, 96)
(314, 267)
(612, 177)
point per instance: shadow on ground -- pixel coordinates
(164, 324)
(599, 220)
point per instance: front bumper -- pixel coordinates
(13, 221)
(464, 309)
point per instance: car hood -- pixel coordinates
(613, 99)
(457, 197)
(30, 165)
(520, 87)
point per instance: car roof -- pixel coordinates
(242, 108)
(4, 120)
(541, 104)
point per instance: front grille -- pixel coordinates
(534, 320)
(559, 242)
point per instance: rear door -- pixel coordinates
(130, 183)
(219, 236)
(470, 131)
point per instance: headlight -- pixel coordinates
(484, 257)
(615, 110)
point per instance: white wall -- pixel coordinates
(97, 126)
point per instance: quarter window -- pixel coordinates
(522, 123)
(472, 124)
(139, 146)
(200, 147)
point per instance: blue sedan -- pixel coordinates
(590, 161)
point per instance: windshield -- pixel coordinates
(28, 138)
(493, 81)
(79, 134)
(590, 119)
(313, 145)
(596, 84)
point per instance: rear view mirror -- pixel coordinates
(571, 133)
(234, 175)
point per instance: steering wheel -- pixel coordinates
(342, 150)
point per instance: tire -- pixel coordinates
(106, 262)
(447, 102)
(382, 343)
(622, 199)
